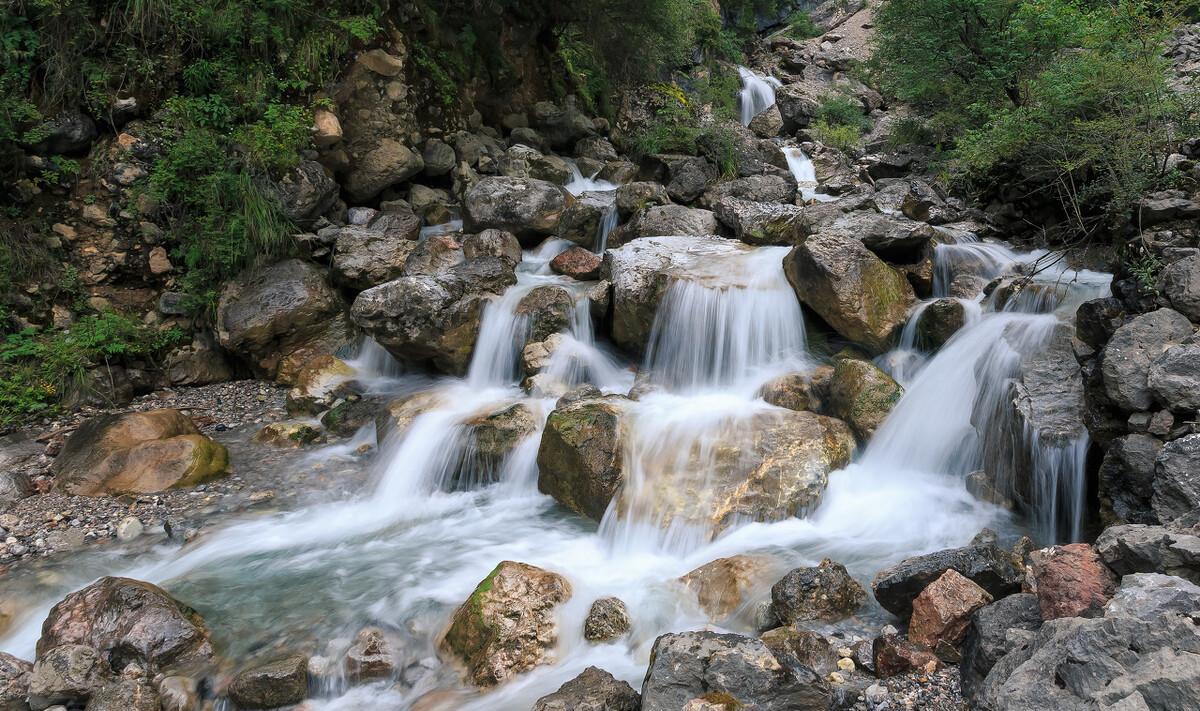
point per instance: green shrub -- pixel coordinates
(910, 131)
(843, 137)
(801, 27)
(838, 110)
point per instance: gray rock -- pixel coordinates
(799, 648)
(435, 255)
(593, 690)
(986, 565)
(14, 486)
(759, 223)
(69, 133)
(596, 148)
(1177, 479)
(1165, 206)
(521, 161)
(666, 220)
(893, 238)
(995, 631)
(438, 157)
(1131, 350)
(1137, 548)
(306, 192)
(364, 257)
(66, 674)
(388, 163)
(1174, 378)
(1126, 478)
(278, 683)
(525, 207)
(685, 177)
(938, 322)
(1181, 283)
(607, 619)
(1098, 319)
(1147, 596)
(548, 310)
(582, 218)
(767, 124)
(633, 197)
(756, 188)
(125, 695)
(493, 243)
(14, 683)
(826, 592)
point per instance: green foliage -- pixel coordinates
(838, 110)
(843, 137)
(910, 131)
(801, 27)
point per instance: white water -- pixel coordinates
(757, 95)
(605, 190)
(405, 552)
(805, 173)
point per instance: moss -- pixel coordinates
(721, 698)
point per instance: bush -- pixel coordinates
(801, 27)
(842, 137)
(840, 110)
(910, 131)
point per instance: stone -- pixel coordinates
(986, 565)
(767, 124)
(669, 220)
(66, 674)
(521, 161)
(548, 311)
(282, 682)
(577, 263)
(525, 207)
(366, 256)
(581, 456)
(1147, 596)
(305, 192)
(14, 486)
(584, 217)
(129, 528)
(125, 695)
(895, 655)
(388, 163)
(371, 656)
(892, 238)
(1177, 479)
(380, 62)
(319, 384)
(1181, 284)
(1131, 350)
(438, 157)
(14, 683)
(508, 625)
(1126, 479)
(593, 690)
(1137, 548)
(291, 434)
(1071, 581)
(279, 316)
(496, 434)
(938, 322)
(766, 188)
(137, 452)
(798, 648)
(996, 630)
(435, 255)
(1174, 378)
(729, 669)
(942, 612)
(635, 197)
(825, 593)
(178, 693)
(862, 395)
(607, 620)
(128, 621)
(493, 243)
(725, 585)
(1098, 319)
(760, 223)
(855, 292)
(202, 362)
(1166, 206)
(794, 391)
(327, 129)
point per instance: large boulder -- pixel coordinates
(765, 188)
(137, 452)
(526, 207)
(583, 218)
(986, 565)
(14, 683)
(825, 592)
(1174, 378)
(581, 455)
(1148, 595)
(1126, 479)
(433, 319)
(759, 223)
(665, 220)
(306, 192)
(854, 291)
(508, 624)
(938, 322)
(1139, 548)
(128, 621)
(734, 671)
(891, 237)
(1177, 479)
(1181, 283)
(388, 163)
(279, 316)
(547, 310)
(725, 585)
(68, 675)
(996, 630)
(366, 256)
(1131, 350)
(1071, 581)
(125, 695)
(862, 395)
(593, 690)
(942, 612)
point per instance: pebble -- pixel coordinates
(129, 528)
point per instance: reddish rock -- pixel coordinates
(1071, 581)
(577, 263)
(942, 612)
(898, 655)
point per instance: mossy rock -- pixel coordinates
(862, 395)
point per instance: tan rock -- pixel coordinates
(158, 261)
(317, 384)
(724, 585)
(327, 129)
(862, 395)
(381, 62)
(942, 612)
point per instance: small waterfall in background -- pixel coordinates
(805, 173)
(602, 190)
(757, 94)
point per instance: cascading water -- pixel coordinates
(805, 173)
(757, 95)
(602, 190)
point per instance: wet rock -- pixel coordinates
(128, 621)
(922, 203)
(178, 693)
(1177, 479)
(66, 674)
(1181, 283)
(548, 309)
(371, 656)
(290, 434)
(137, 452)
(525, 207)
(319, 383)
(986, 565)
(1150, 549)
(759, 223)
(306, 192)
(939, 322)
(493, 243)
(795, 391)
(862, 395)
(724, 585)
(583, 217)
(367, 256)
(1150, 595)
(1071, 581)
(129, 528)
(593, 690)
(942, 612)
(826, 592)
(854, 291)
(278, 683)
(891, 238)
(727, 669)
(1133, 347)
(14, 683)
(766, 188)
(508, 624)
(1174, 377)
(125, 695)
(435, 255)
(277, 317)
(577, 263)
(1097, 320)
(607, 619)
(537, 356)
(521, 161)
(667, 220)
(767, 124)
(581, 455)
(994, 631)
(200, 363)
(1126, 479)
(634, 197)
(796, 648)
(388, 163)
(896, 655)
(496, 435)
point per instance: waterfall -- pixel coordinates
(805, 173)
(602, 189)
(757, 94)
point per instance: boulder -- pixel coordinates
(583, 218)
(738, 672)
(435, 255)
(938, 322)
(593, 690)
(577, 263)
(1133, 347)
(1177, 479)
(128, 621)
(996, 630)
(388, 163)
(364, 257)
(521, 161)
(282, 682)
(635, 197)
(14, 683)
(1174, 378)
(493, 243)
(1150, 595)
(759, 223)
(279, 316)
(1166, 206)
(1139, 548)
(766, 188)
(798, 648)
(724, 585)
(767, 124)
(986, 565)
(200, 363)
(581, 456)
(862, 395)
(1126, 479)
(69, 132)
(942, 612)
(14, 486)
(306, 192)
(290, 434)
(894, 654)
(508, 624)
(1181, 284)
(795, 391)
(685, 177)
(922, 202)
(179, 693)
(607, 620)
(548, 311)
(125, 695)
(327, 129)
(825, 593)
(371, 657)
(854, 291)
(666, 220)
(1071, 581)
(495, 435)
(321, 382)
(525, 207)
(890, 237)
(137, 452)
(67, 674)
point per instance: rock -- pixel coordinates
(685, 177)
(724, 585)
(1147, 596)
(996, 630)
(435, 255)
(1181, 284)
(493, 243)
(577, 263)
(14, 683)
(635, 197)
(129, 528)
(438, 157)
(581, 456)
(1132, 349)
(364, 257)
(922, 203)
(306, 192)
(1097, 320)
(986, 565)
(895, 655)
(1150, 549)
(290, 434)
(767, 124)
(137, 452)
(597, 148)
(125, 695)
(327, 129)
(1126, 479)
(1177, 479)
(797, 648)
(727, 668)
(521, 161)
(759, 223)
(66, 674)
(525, 207)
(593, 690)
(862, 395)
(767, 188)
(381, 63)
(1166, 206)
(855, 292)
(795, 391)
(1174, 378)
(128, 621)
(279, 316)
(891, 238)
(282, 682)
(548, 310)
(826, 593)
(507, 626)
(938, 322)
(942, 612)
(667, 220)
(496, 434)
(14, 486)
(178, 693)
(319, 384)
(582, 219)
(388, 163)
(200, 363)
(371, 657)
(607, 619)
(70, 132)
(1071, 581)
